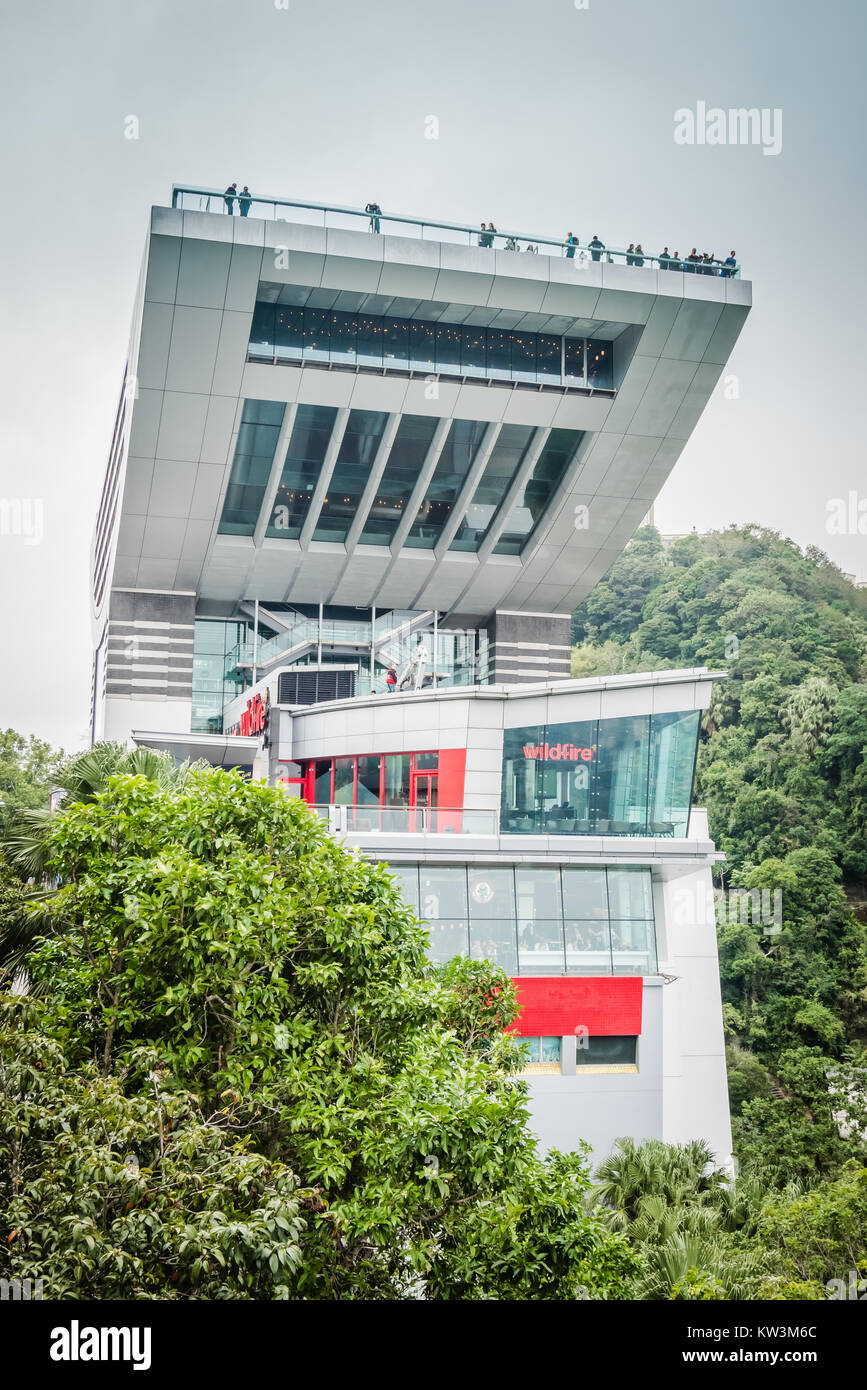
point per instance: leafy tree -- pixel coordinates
(214, 935)
(28, 767)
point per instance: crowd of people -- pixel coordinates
(704, 263)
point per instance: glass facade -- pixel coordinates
(213, 641)
(355, 459)
(405, 459)
(456, 458)
(506, 458)
(630, 776)
(311, 434)
(536, 920)
(282, 333)
(559, 450)
(251, 466)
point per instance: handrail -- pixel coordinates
(495, 238)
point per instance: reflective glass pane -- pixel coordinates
(397, 779)
(355, 459)
(407, 882)
(473, 351)
(566, 766)
(540, 946)
(443, 891)
(606, 1051)
(311, 435)
(495, 941)
(491, 893)
(369, 340)
(588, 947)
(447, 940)
(538, 893)
(344, 781)
(633, 948)
(322, 783)
(630, 894)
(600, 364)
(522, 779)
(551, 465)
(549, 1050)
(506, 458)
(251, 466)
(448, 348)
(574, 358)
(422, 345)
(262, 331)
(523, 356)
(368, 780)
(344, 336)
(673, 744)
(395, 342)
(405, 460)
(585, 896)
(455, 460)
(316, 335)
(288, 334)
(548, 357)
(621, 776)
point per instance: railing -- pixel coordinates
(192, 199)
(406, 820)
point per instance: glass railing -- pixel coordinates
(583, 254)
(406, 820)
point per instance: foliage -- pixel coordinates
(212, 934)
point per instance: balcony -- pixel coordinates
(193, 199)
(406, 820)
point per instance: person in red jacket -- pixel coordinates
(391, 680)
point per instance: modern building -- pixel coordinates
(362, 472)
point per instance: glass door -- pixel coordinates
(423, 800)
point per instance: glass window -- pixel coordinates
(495, 941)
(499, 353)
(463, 440)
(633, 948)
(355, 459)
(395, 342)
(585, 895)
(344, 781)
(522, 779)
(560, 448)
(316, 335)
(422, 345)
(443, 891)
(506, 458)
(322, 783)
(405, 460)
(543, 1054)
(548, 357)
(262, 331)
(574, 358)
(448, 349)
(344, 336)
(407, 882)
(397, 779)
(566, 767)
(524, 356)
(473, 351)
(588, 947)
(540, 945)
(600, 364)
(311, 435)
(368, 780)
(288, 334)
(605, 1051)
(673, 744)
(621, 776)
(447, 940)
(369, 340)
(491, 893)
(251, 466)
(425, 762)
(630, 894)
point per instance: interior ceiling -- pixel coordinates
(357, 302)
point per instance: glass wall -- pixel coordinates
(355, 459)
(311, 434)
(506, 458)
(251, 466)
(535, 920)
(630, 776)
(213, 640)
(458, 453)
(551, 465)
(406, 457)
(282, 333)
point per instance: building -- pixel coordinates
(367, 447)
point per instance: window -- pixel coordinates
(541, 921)
(543, 1056)
(501, 468)
(251, 466)
(404, 464)
(611, 1054)
(355, 459)
(292, 333)
(311, 435)
(454, 463)
(560, 448)
(630, 776)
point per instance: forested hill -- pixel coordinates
(783, 773)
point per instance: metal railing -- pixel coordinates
(406, 820)
(584, 254)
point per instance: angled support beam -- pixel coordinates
(432, 458)
(324, 479)
(376, 472)
(513, 492)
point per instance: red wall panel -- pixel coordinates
(450, 786)
(555, 1006)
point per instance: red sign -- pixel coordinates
(254, 719)
(605, 1005)
(559, 752)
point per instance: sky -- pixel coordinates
(551, 116)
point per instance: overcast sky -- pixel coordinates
(552, 118)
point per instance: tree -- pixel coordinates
(27, 770)
(215, 935)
